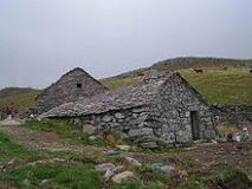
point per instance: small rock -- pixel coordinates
(150, 145)
(111, 172)
(119, 116)
(107, 118)
(123, 147)
(167, 170)
(133, 161)
(92, 138)
(121, 177)
(104, 167)
(88, 129)
(112, 152)
(45, 181)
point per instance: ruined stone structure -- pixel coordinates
(70, 87)
(160, 110)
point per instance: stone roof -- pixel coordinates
(124, 98)
(141, 94)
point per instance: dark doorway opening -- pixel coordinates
(79, 85)
(195, 125)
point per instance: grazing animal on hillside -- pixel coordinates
(250, 71)
(198, 70)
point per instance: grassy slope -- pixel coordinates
(232, 86)
(20, 98)
(223, 87)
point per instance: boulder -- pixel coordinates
(122, 177)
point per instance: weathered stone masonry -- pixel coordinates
(156, 111)
(70, 87)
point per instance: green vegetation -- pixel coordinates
(230, 86)
(20, 99)
(27, 175)
(9, 150)
(65, 131)
(51, 176)
(120, 83)
(223, 87)
(222, 178)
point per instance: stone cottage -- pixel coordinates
(70, 87)
(159, 110)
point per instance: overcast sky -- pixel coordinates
(41, 39)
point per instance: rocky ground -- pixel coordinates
(225, 165)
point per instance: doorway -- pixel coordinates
(195, 125)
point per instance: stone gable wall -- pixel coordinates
(66, 90)
(176, 101)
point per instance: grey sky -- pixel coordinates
(41, 39)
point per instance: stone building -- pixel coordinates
(159, 110)
(70, 87)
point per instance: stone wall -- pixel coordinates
(129, 123)
(172, 113)
(66, 90)
(233, 115)
(165, 121)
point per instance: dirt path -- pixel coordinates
(39, 139)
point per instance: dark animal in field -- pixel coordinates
(250, 71)
(198, 70)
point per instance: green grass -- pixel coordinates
(9, 149)
(21, 100)
(231, 86)
(51, 176)
(222, 87)
(65, 131)
(42, 175)
(119, 83)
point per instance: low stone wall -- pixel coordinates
(235, 115)
(130, 123)
(143, 126)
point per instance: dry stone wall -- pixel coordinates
(165, 121)
(233, 115)
(129, 123)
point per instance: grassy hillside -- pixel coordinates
(232, 86)
(20, 98)
(223, 86)
(224, 81)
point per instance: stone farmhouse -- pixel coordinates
(70, 87)
(158, 111)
